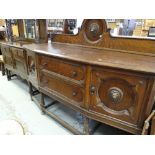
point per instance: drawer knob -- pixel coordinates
(92, 90)
(74, 74)
(74, 93)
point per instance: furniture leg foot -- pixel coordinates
(7, 74)
(30, 90)
(42, 105)
(3, 70)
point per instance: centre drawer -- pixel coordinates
(61, 88)
(62, 67)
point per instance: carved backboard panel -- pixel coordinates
(94, 33)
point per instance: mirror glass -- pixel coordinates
(29, 28)
(119, 27)
(130, 27)
(62, 26)
(55, 25)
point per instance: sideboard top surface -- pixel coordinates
(18, 44)
(102, 57)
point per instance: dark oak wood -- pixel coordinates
(153, 126)
(2, 68)
(132, 87)
(98, 57)
(106, 40)
(40, 31)
(149, 124)
(105, 78)
(20, 25)
(15, 57)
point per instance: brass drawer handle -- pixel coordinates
(74, 74)
(74, 93)
(92, 90)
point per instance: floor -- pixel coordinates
(15, 103)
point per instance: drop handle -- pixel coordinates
(92, 90)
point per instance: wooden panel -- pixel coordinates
(61, 88)
(6, 50)
(7, 56)
(8, 60)
(93, 56)
(18, 53)
(31, 68)
(20, 68)
(65, 68)
(106, 40)
(42, 30)
(118, 94)
(153, 126)
(19, 61)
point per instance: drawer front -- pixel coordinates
(62, 88)
(62, 67)
(18, 53)
(118, 94)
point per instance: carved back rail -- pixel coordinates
(94, 33)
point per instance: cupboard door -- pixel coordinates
(117, 94)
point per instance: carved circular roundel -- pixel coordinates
(116, 94)
(93, 29)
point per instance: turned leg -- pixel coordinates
(0, 66)
(30, 90)
(42, 105)
(3, 69)
(7, 74)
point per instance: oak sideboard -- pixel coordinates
(105, 78)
